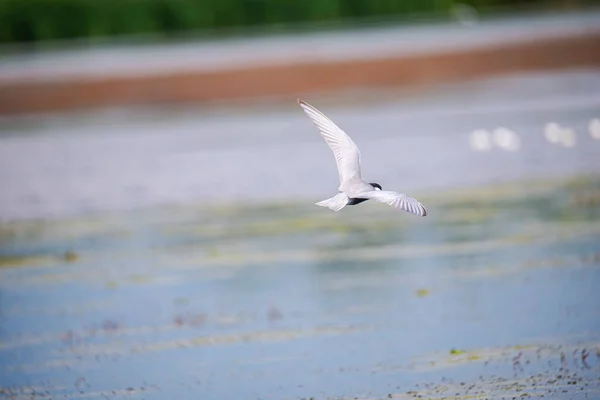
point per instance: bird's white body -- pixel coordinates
(353, 189)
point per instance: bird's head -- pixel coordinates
(376, 186)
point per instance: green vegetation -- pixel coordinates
(37, 20)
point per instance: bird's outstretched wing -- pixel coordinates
(347, 155)
(397, 200)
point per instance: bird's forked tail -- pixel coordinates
(335, 203)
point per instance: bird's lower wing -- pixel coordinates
(396, 200)
(335, 203)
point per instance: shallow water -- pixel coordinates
(119, 279)
(494, 295)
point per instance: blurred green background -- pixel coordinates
(38, 20)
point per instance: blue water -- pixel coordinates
(293, 301)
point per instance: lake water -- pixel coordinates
(131, 265)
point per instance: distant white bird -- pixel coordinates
(594, 128)
(481, 140)
(353, 189)
(506, 139)
(556, 133)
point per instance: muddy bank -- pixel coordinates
(247, 80)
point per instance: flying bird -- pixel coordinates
(353, 189)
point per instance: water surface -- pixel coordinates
(494, 295)
(178, 254)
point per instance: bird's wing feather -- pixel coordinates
(347, 155)
(397, 200)
(335, 203)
